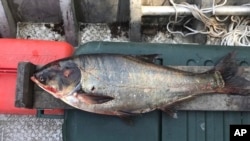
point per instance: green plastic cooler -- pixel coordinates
(158, 126)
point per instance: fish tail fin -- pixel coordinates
(230, 72)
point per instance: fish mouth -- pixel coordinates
(47, 88)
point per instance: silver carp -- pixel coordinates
(124, 85)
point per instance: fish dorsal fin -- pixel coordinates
(148, 57)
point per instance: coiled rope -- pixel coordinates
(235, 33)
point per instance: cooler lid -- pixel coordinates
(12, 51)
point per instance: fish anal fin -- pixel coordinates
(171, 111)
(93, 99)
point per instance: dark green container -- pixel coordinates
(157, 126)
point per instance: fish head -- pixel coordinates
(59, 78)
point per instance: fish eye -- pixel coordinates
(41, 78)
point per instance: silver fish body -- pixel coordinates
(116, 84)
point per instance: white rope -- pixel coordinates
(214, 28)
(176, 12)
(236, 33)
(214, 6)
(221, 20)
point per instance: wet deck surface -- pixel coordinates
(29, 128)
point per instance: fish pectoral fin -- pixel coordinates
(94, 99)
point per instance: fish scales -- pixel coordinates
(136, 78)
(115, 84)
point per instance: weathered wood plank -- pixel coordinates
(135, 20)
(69, 21)
(7, 22)
(44, 100)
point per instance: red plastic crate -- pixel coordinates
(12, 51)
